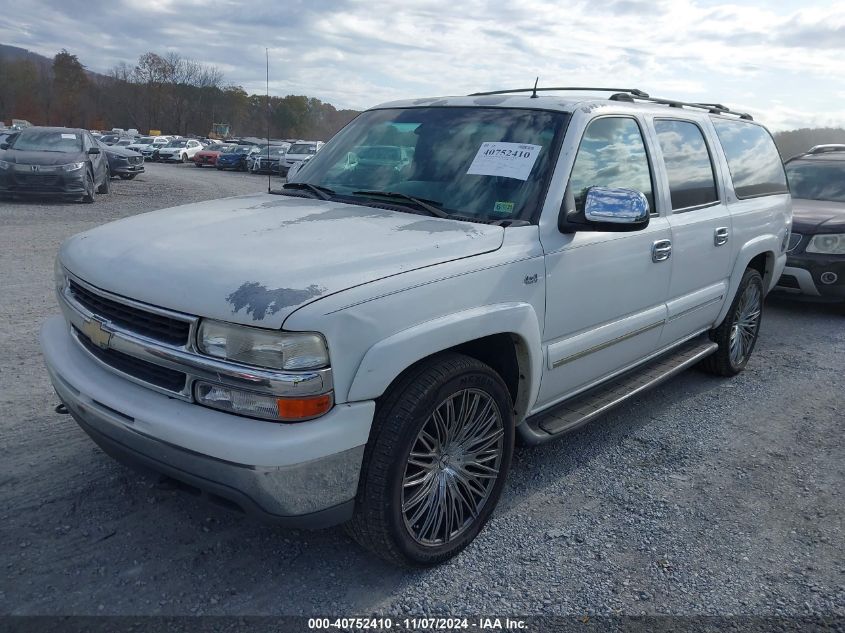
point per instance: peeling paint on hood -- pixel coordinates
(255, 259)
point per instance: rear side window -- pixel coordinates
(612, 154)
(688, 164)
(753, 158)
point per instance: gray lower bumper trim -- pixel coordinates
(217, 492)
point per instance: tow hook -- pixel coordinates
(61, 409)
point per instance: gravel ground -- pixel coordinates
(705, 496)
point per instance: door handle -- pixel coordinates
(661, 250)
(720, 236)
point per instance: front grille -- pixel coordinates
(136, 160)
(155, 326)
(789, 281)
(794, 241)
(37, 180)
(163, 377)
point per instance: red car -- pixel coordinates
(208, 156)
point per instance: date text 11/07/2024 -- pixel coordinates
(418, 624)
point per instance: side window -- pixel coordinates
(688, 164)
(612, 154)
(753, 158)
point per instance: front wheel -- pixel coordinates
(436, 461)
(737, 335)
(88, 197)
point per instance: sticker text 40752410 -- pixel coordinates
(510, 160)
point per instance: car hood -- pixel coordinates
(255, 259)
(817, 216)
(22, 157)
(121, 151)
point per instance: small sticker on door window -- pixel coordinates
(503, 208)
(72, 137)
(510, 160)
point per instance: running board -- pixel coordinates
(585, 407)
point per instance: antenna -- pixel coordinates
(534, 94)
(269, 170)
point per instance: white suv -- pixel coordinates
(365, 344)
(180, 150)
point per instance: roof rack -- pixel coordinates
(535, 89)
(830, 147)
(629, 95)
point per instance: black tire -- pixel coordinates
(184, 158)
(379, 523)
(88, 198)
(105, 187)
(198, 164)
(729, 334)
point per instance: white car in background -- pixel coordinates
(179, 150)
(139, 143)
(298, 152)
(158, 142)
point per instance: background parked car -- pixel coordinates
(179, 150)
(59, 161)
(123, 162)
(139, 143)
(150, 152)
(815, 265)
(236, 157)
(267, 159)
(208, 155)
(299, 151)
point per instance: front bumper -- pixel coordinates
(813, 276)
(128, 169)
(71, 183)
(301, 475)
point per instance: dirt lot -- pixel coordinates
(706, 496)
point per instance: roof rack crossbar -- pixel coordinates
(633, 91)
(627, 94)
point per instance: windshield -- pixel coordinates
(275, 152)
(483, 163)
(817, 180)
(48, 141)
(241, 149)
(143, 141)
(177, 143)
(302, 148)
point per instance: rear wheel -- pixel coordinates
(737, 335)
(184, 158)
(436, 462)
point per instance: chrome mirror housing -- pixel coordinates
(605, 209)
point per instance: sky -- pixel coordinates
(784, 62)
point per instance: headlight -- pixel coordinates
(831, 244)
(258, 405)
(262, 348)
(72, 166)
(5, 165)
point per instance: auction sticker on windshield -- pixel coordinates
(510, 160)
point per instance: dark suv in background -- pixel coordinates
(815, 268)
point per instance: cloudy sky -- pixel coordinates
(782, 61)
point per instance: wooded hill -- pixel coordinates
(163, 92)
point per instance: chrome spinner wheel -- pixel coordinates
(452, 467)
(745, 324)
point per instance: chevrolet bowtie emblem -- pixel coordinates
(96, 333)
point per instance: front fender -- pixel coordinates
(388, 358)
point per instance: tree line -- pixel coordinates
(166, 92)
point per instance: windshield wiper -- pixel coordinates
(324, 193)
(421, 203)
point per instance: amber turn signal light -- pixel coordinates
(304, 408)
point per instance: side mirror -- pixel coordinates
(606, 209)
(4, 146)
(94, 150)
